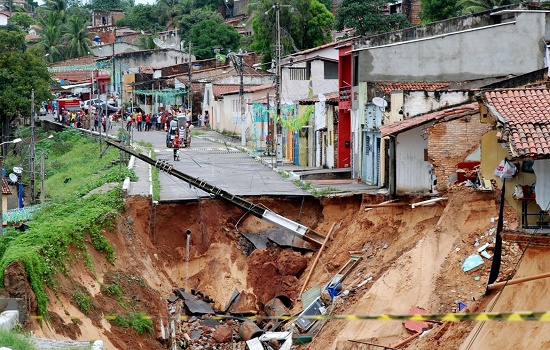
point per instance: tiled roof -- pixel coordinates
(411, 86)
(526, 113)
(223, 89)
(443, 115)
(313, 49)
(5, 187)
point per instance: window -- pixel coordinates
(355, 70)
(331, 70)
(298, 73)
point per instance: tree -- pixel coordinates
(108, 5)
(21, 19)
(209, 34)
(76, 38)
(438, 10)
(57, 6)
(139, 18)
(186, 21)
(315, 28)
(303, 24)
(473, 6)
(146, 42)
(168, 10)
(367, 17)
(51, 35)
(21, 70)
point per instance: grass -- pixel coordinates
(15, 341)
(140, 322)
(83, 301)
(307, 186)
(69, 219)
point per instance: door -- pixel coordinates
(371, 157)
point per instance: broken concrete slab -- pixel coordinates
(259, 241)
(232, 299)
(198, 307)
(210, 322)
(172, 299)
(285, 238)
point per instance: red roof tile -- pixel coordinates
(526, 114)
(223, 89)
(445, 115)
(411, 86)
(5, 187)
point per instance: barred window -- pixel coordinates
(299, 74)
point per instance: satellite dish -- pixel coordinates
(159, 43)
(17, 170)
(380, 102)
(13, 177)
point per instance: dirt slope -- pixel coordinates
(414, 257)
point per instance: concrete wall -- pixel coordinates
(412, 171)
(421, 102)
(496, 50)
(151, 58)
(294, 90)
(450, 143)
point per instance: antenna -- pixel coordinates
(380, 102)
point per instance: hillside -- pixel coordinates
(414, 257)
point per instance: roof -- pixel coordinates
(5, 187)
(442, 115)
(308, 59)
(223, 89)
(526, 116)
(388, 87)
(250, 88)
(313, 49)
(331, 98)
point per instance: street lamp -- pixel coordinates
(2, 184)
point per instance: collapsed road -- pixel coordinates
(295, 228)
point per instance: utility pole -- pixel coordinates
(277, 125)
(33, 150)
(238, 63)
(190, 92)
(42, 178)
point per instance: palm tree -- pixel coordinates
(168, 10)
(76, 38)
(51, 35)
(473, 6)
(146, 42)
(56, 5)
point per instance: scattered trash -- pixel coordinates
(483, 247)
(385, 246)
(491, 231)
(461, 306)
(476, 242)
(477, 278)
(472, 262)
(486, 255)
(364, 282)
(457, 249)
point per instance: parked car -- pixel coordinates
(86, 104)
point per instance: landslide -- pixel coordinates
(414, 257)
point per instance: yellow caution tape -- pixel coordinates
(450, 317)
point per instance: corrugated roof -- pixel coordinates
(446, 114)
(526, 113)
(331, 98)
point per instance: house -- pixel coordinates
(318, 148)
(520, 132)
(425, 152)
(4, 17)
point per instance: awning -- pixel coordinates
(66, 87)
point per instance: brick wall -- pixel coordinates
(449, 143)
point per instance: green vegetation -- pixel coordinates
(15, 341)
(367, 17)
(83, 301)
(140, 322)
(71, 218)
(307, 186)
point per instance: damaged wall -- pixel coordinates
(449, 143)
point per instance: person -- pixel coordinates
(129, 123)
(206, 119)
(176, 146)
(183, 136)
(139, 121)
